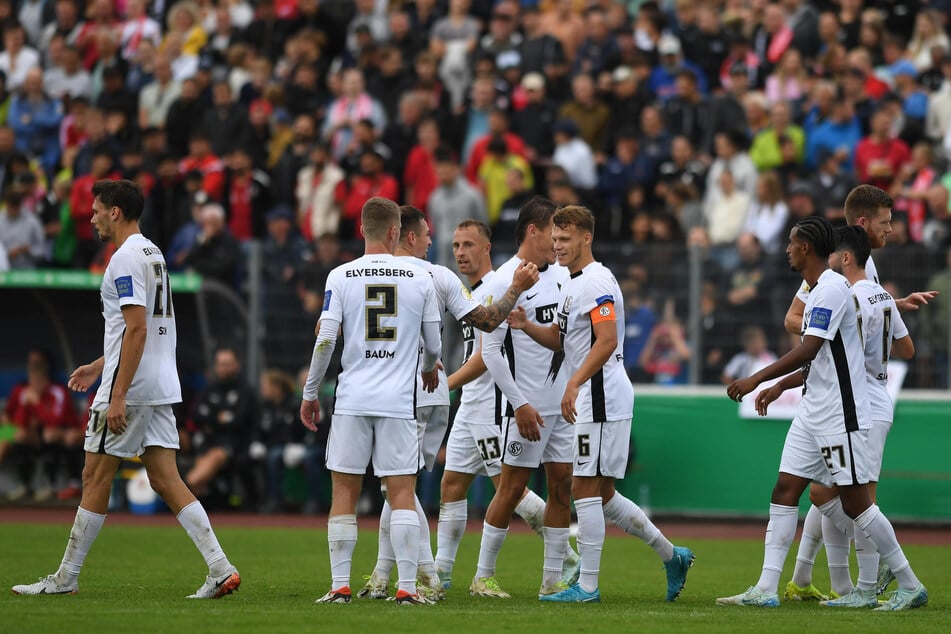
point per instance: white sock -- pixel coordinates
(556, 546)
(492, 540)
(404, 535)
(881, 534)
(425, 559)
(809, 545)
(837, 552)
(590, 540)
(194, 520)
(342, 539)
(868, 559)
(85, 529)
(453, 517)
(385, 559)
(531, 508)
(780, 533)
(629, 517)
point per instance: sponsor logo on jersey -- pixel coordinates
(124, 286)
(515, 448)
(327, 295)
(820, 318)
(546, 314)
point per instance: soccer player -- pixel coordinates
(884, 334)
(598, 400)
(382, 303)
(531, 379)
(474, 446)
(870, 208)
(131, 414)
(828, 439)
(432, 409)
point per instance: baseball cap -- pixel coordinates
(668, 45)
(622, 73)
(533, 81)
(903, 67)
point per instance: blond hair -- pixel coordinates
(378, 216)
(574, 215)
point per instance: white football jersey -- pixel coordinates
(608, 395)
(835, 393)
(381, 301)
(137, 276)
(879, 324)
(451, 295)
(477, 404)
(536, 369)
(870, 272)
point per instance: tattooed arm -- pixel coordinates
(488, 318)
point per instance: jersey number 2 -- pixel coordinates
(381, 302)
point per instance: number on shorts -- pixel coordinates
(827, 454)
(584, 445)
(384, 296)
(489, 448)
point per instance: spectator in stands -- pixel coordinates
(35, 118)
(47, 432)
(247, 195)
(639, 320)
(936, 320)
(879, 156)
(502, 35)
(391, 82)
(318, 209)
(365, 138)
(184, 39)
(215, 253)
(184, 117)
(913, 99)
(113, 95)
(840, 133)
(226, 123)
(21, 233)
(504, 229)
(768, 212)
(221, 423)
(682, 167)
(629, 97)
(68, 77)
(402, 133)
(911, 189)
(304, 92)
(453, 201)
(688, 112)
(726, 215)
(599, 51)
(928, 34)
(755, 356)
(542, 52)
(285, 252)
(731, 156)
(588, 112)
(419, 176)
(17, 59)
(533, 123)
(166, 206)
(351, 106)
(574, 155)
(372, 181)
(666, 353)
(747, 285)
(802, 203)
(625, 167)
(406, 39)
(81, 200)
(200, 157)
(830, 185)
(293, 159)
(65, 23)
(789, 81)
(498, 128)
(137, 29)
(452, 40)
(493, 175)
(782, 145)
(705, 43)
(663, 80)
(157, 97)
(726, 107)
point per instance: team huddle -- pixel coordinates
(543, 384)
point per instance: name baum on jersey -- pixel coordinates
(379, 354)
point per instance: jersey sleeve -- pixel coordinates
(803, 292)
(598, 292)
(333, 297)
(430, 305)
(829, 305)
(130, 279)
(899, 328)
(458, 299)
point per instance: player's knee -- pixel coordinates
(784, 493)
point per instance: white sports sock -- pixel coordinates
(780, 533)
(809, 545)
(531, 508)
(492, 540)
(194, 520)
(453, 517)
(590, 540)
(881, 534)
(404, 535)
(341, 539)
(556, 546)
(425, 559)
(868, 559)
(85, 529)
(385, 559)
(837, 552)
(629, 517)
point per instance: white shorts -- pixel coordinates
(601, 449)
(391, 443)
(842, 459)
(474, 448)
(146, 426)
(876, 447)
(556, 445)
(431, 424)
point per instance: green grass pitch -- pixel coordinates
(136, 578)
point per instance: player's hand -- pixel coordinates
(568, 410)
(431, 379)
(529, 422)
(310, 414)
(517, 318)
(915, 300)
(526, 274)
(83, 377)
(765, 397)
(115, 416)
(740, 388)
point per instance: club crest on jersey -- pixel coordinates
(515, 448)
(546, 314)
(465, 291)
(124, 286)
(820, 318)
(605, 310)
(567, 307)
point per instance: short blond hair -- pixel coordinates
(377, 216)
(574, 216)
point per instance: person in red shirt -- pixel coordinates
(80, 206)
(371, 182)
(201, 158)
(879, 156)
(419, 177)
(498, 124)
(247, 196)
(47, 429)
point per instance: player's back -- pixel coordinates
(476, 405)
(137, 275)
(381, 302)
(879, 323)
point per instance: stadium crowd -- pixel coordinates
(687, 123)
